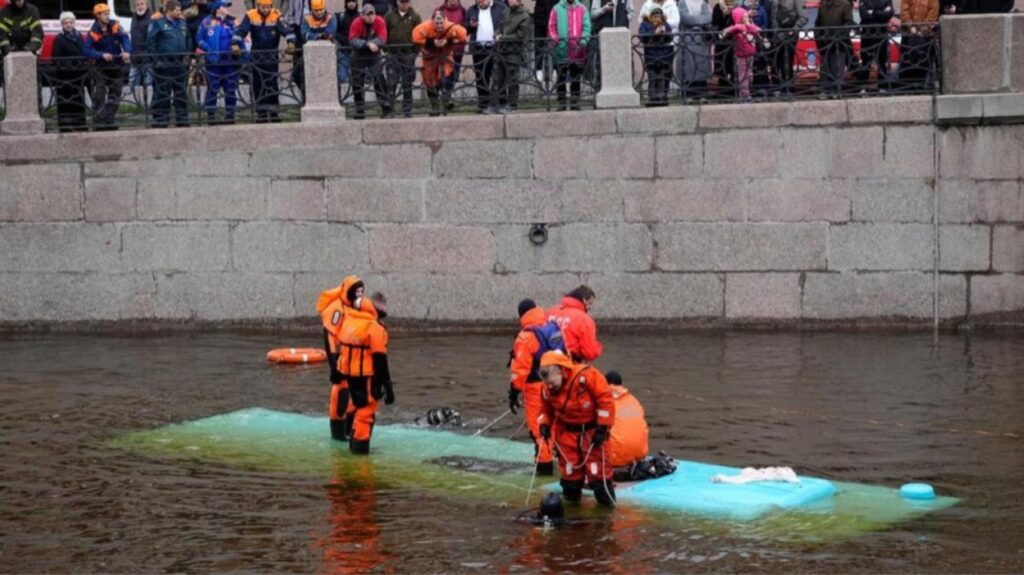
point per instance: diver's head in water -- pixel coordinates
(441, 416)
(551, 508)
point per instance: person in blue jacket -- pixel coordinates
(169, 48)
(265, 27)
(216, 41)
(109, 46)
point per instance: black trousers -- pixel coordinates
(266, 90)
(360, 74)
(171, 89)
(483, 68)
(401, 73)
(569, 75)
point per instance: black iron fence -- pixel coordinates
(407, 80)
(78, 94)
(700, 66)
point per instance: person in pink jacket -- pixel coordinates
(745, 35)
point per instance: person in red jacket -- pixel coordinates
(577, 326)
(537, 337)
(579, 410)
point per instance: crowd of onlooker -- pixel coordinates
(740, 49)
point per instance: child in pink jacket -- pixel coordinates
(744, 34)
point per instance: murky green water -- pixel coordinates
(869, 408)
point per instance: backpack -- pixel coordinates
(550, 337)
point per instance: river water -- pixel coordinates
(871, 408)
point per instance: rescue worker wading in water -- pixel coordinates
(332, 305)
(578, 411)
(578, 328)
(363, 362)
(628, 441)
(537, 337)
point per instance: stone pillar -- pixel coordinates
(320, 62)
(21, 91)
(982, 69)
(617, 89)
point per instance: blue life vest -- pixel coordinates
(550, 337)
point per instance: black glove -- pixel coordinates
(513, 400)
(389, 393)
(545, 432)
(600, 434)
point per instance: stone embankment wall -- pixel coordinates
(852, 211)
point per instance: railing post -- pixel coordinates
(21, 90)
(320, 66)
(617, 91)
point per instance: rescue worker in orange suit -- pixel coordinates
(578, 328)
(628, 441)
(537, 337)
(578, 411)
(331, 306)
(364, 363)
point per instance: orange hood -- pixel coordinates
(340, 292)
(534, 317)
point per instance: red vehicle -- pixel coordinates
(49, 12)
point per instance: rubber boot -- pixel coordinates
(350, 420)
(546, 468)
(359, 447)
(604, 492)
(339, 431)
(572, 491)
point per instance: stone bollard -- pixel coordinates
(617, 89)
(21, 91)
(320, 62)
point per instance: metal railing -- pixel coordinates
(403, 80)
(78, 94)
(701, 66)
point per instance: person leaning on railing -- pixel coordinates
(265, 28)
(169, 44)
(515, 34)
(455, 13)
(109, 47)
(438, 39)
(67, 74)
(21, 30)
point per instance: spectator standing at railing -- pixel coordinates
(760, 16)
(611, 14)
(669, 9)
(724, 62)
(569, 35)
(140, 73)
(694, 63)
(368, 36)
(438, 40)
(169, 45)
(541, 17)
(484, 20)
(265, 27)
(788, 18)
(744, 34)
(319, 24)
(401, 53)
(656, 37)
(874, 40)
(917, 48)
(109, 47)
(513, 38)
(281, 6)
(345, 19)
(832, 36)
(69, 73)
(222, 51)
(21, 30)
(454, 13)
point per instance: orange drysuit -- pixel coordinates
(363, 347)
(437, 60)
(628, 439)
(578, 329)
(582, 404)
(525, 379)
(331, 306)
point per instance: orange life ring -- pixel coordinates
(296, 355)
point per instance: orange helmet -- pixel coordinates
(317, 5)
(555, 357)
(99, 9)
(264, 2)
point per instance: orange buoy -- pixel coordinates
(296, 355)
